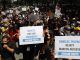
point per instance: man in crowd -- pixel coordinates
(7, 49)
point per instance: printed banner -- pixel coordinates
(31, 35)
(67, 47)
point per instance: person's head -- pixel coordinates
(5, 39)
(45, 28)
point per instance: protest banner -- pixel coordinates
(67, 47)
(31, 35)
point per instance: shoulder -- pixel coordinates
(12, 44)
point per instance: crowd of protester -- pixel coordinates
(10, 23)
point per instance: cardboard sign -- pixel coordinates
(67, 47)
(24, 9)
(31, 35)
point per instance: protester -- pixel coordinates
(7, 49)
(62, 23)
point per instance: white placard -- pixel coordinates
(36, 8)
(58, 11)
(15, 0)
(31, 35)
(24, 9)
(67, 47)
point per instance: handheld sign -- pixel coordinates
(31, 35)
(24, 9)
(67, 47)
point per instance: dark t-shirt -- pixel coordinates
(5, 53)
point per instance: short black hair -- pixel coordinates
(45, 27)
